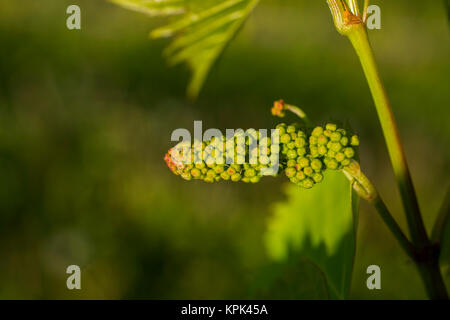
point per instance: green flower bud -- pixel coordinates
(317, 177)
(209, 180)
(354, 141)
(322, 140)
(303, 162)
(211, 173)
(200, 165)
(340, 156)
(294, 180)
(307, 183)
(236, 167)
(301, 152)
(196, 173)
(317, 131)
(255, 179)
(292, 154)
(344, 141)
(336, 146)
(322, 150)
(316, 164)
(314, 151)
(300, 175)
(335, 136)
(331, 126)
(285, 138)
(291, 129)
(332, 164)
(225, 176)
(291, 163)
(250, 173)
(308, 171)
(300, 142)
(281, 128)
(290, 172)
(186, 176)
(291, 145)
(349, 152)
(236, 177)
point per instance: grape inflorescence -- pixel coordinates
(302, 155)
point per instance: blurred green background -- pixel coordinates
(86, 117)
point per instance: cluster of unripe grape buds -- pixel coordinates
(302, 155)
(244, 157)
(306, 155)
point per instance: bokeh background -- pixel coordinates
(86, 117)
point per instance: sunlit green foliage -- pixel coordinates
(200, 33)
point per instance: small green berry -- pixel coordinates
(196, 173)
(303, 162)
(225, 176)
(332, 164)
(317, 131)
(255, 179)
(322, 140)
(236, 177)
(292, 154)
(290, 129)
(186, 176)
(250, 173)
(336, 146)
(290, 172)
(301, 152)
(317, 177)
(291, 163)
(308, 171)
(322, 150)
(300, 142)
(300, 175)
(354, 141)
(335, 136)
(340, 156)
(349, 152)
(312, 140)
(316, 164)
(307, 183)
(285, 138)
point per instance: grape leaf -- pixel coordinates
(154, 7)
(320, 225)
(201, 31)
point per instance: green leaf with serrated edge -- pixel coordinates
(320, 225)
(201, 32)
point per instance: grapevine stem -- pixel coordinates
(359, 40)
(425, 253)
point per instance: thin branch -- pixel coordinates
(365, 189)
(442, 219)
